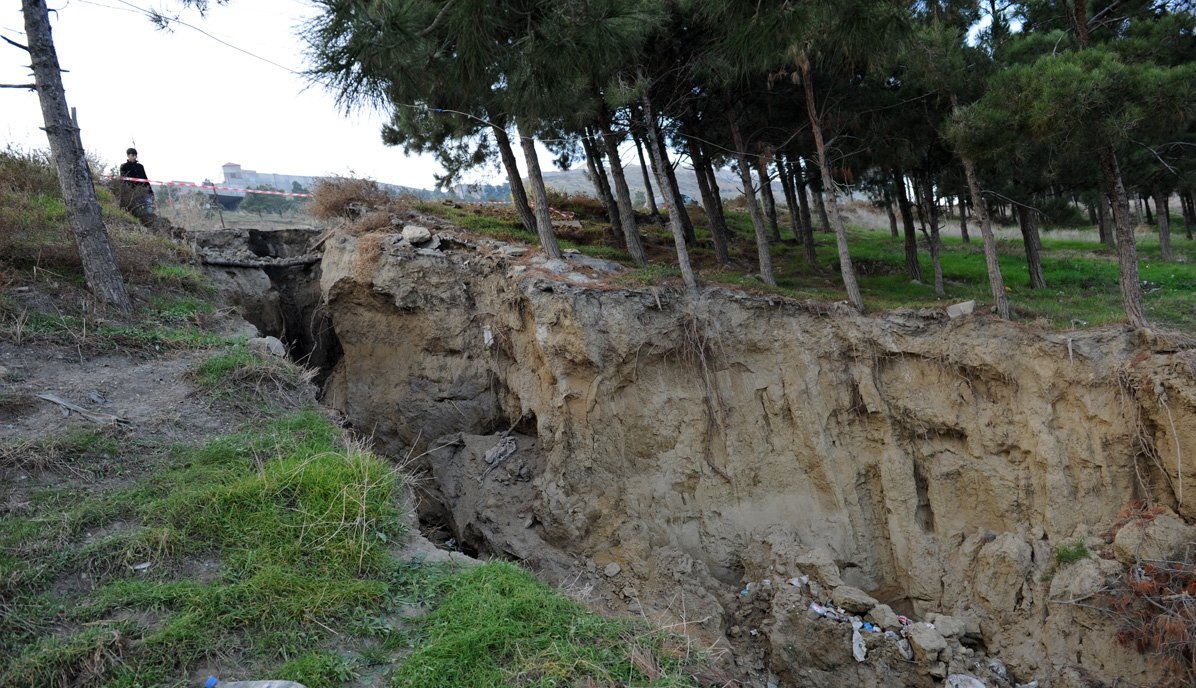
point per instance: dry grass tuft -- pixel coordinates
(345, 197)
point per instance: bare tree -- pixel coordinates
(74, 176)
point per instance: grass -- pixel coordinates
(497, 626)
(1070, 552)
(1081, 274)
(298, 522)
(268, 554)
(246, 379)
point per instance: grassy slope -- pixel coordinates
(270, 552)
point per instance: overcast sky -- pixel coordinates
(190, 104)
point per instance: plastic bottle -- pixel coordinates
(214, 682)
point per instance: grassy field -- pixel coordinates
(1081, 274)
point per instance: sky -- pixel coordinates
(189, 103)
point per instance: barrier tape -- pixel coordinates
(562, 214)
(213, 187)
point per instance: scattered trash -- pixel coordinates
(1031, 684)
(998, 668)
(487, 336)
(858, 650)
(753, 633)
(747, 590)
(905, 650)
(904, 621)
(142, 567)
(214, 682)
(799, 581)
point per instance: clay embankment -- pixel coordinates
(671, 449)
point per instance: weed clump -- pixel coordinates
(1069, 553)
(247, 379)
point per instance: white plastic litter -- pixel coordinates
(858, 650)
(963, 681)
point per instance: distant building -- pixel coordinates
(241, 178)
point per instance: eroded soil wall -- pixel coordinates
(707, 439)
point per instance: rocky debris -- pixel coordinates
(268, 346)
(1165, 537)
(1081, 579)
(611, 570)
(958, 310)
(952, 627)
(926, 642)
(853, 600)
(415, 234)
(883, 616)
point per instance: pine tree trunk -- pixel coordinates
(718, 230)
(1161, 204)
(1127, 250)
(680, 211)
(653, 210)
(848, 271)
(543, 215)
(1028, 223)
(789, 186)
(888, 199)
(74, 176)
(930, 211)
(712, 179)
(518, 194)
(912, 266)
(659, 156)
(1104, 212)
(631, 230)
(602, 188)
(807, 221)
(963, 220)
(996, 283)
(824, 222)
(749, 196)
(1145, 201)
(770, 202)
(1091, 207)
(1189, 206)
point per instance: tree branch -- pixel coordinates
(14, 43)
(31, 87)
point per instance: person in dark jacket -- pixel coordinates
(136, 197)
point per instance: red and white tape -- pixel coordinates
(214, 187)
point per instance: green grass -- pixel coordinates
(497, 626)
(298, 524)
(1081, 274)
(1070, 552)
(268, 554)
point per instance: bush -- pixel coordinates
(345, 197)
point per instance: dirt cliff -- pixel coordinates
(689, 447)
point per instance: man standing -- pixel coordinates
(138, 196)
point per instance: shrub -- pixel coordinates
(345, 197)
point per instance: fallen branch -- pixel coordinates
(101, 418)
(261, 263)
